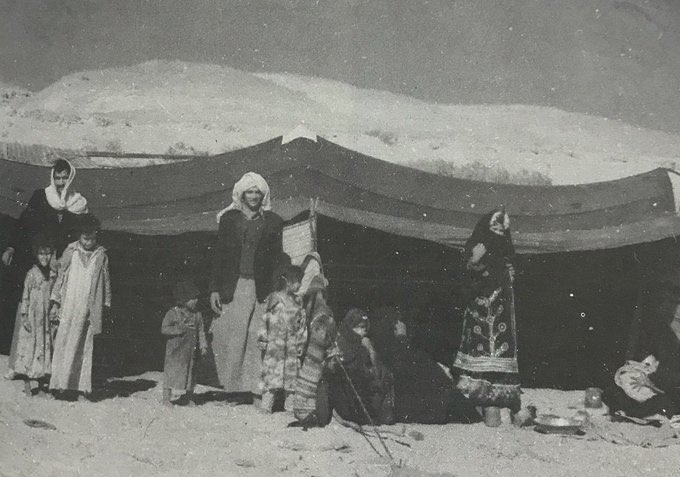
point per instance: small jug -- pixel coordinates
(593, 398)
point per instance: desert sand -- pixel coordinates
(129, 433)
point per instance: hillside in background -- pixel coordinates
(574, 91)
(609, 58)
(188, 108)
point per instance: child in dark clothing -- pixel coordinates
(183, 327)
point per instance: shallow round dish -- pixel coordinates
(552, 424)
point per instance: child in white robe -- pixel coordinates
(80, 297)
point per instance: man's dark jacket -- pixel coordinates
(227, 254)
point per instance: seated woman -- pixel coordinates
(652, 386)
(423, 392)
(361, 388)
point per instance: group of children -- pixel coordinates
(64, 301)
(280, 339)
(61, 309)
(63, 304)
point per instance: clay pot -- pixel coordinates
(492, 416)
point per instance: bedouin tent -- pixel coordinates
(179, 198)
(355, 188)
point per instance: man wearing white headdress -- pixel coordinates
(248, 247)
(51, 212)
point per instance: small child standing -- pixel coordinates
(80, 297)
(183, 327)
(34, 346)
(277, 339)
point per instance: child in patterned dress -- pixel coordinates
(277, 339)
(34, 347)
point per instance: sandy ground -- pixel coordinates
(130, 433)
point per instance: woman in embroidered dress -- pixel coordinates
(34, 344)
(487, 358)
(277, 339)
(52, 212)
(80, 297)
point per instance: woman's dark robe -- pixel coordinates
(37, 218)
(371, 389)
(423, 393)
(661, 341)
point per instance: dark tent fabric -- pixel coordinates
(386, 233)
(352, 187)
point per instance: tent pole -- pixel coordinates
(636, 323)
(312, 221)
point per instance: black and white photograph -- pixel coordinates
(339, 238)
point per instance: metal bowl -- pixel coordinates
(552, 424)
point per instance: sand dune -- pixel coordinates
(181, 107)
(577, 91)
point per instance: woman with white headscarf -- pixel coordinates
(248, 247)
(50, 212)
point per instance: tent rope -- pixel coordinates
(365, 411)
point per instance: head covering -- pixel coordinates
(354, 317)
(185, 291)
(248, 181)
(500, 217)
(318, 283)
(498, 247)
(349, 342)
(312, 267)
(69, 200)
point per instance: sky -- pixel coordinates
(563, 54)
